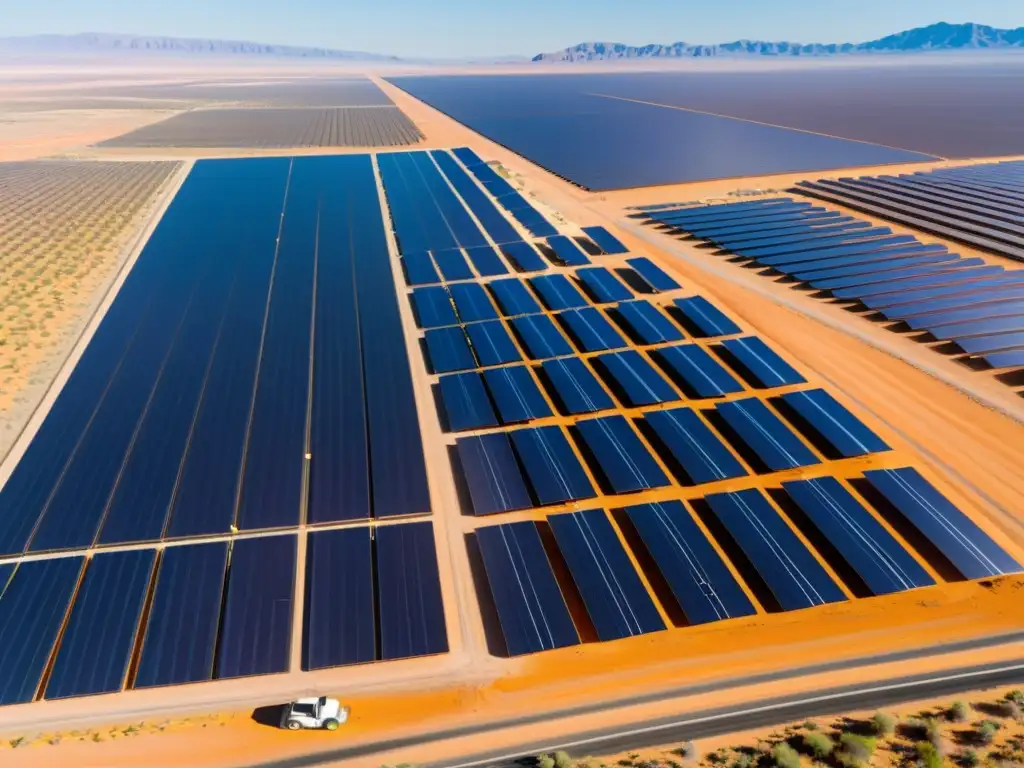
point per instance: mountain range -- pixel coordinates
(936, 37)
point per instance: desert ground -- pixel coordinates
(963, 430)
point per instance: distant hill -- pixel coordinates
(936, 37)
(109, 43)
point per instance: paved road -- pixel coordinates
(823, 702)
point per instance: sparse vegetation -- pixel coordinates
(742, 760)
(928, 755)
(969, 758)
(883, 724)
(545, 761)
(987, 731)
(959, 712)
(562, 760)
(784, 756)
(688, 751)
(855, 750)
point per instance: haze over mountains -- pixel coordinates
(936, 37)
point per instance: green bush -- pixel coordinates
(883, 724)
(784, 756)
(969, 758)
(562, 760)
(818, 744)
(1016, 696)
(959, 712)
(743, 760)
(987, 731)
(810, 725)
(855, 749)
(545, 761)
(933, 732)
(688, 751)
(928, 755)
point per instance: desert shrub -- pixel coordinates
(969, 758)
(784, 756)
(855, 749)
(928, 755)
(883, 724)
(743, 760)
(562, 760)
(933, 732)
(688, 751)
(818, 744)
(959, 712)
(545, 761)
(987, 731)
(1016, 696)
(809, 725)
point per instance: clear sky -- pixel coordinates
(466, 28)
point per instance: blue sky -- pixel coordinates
(461, 28)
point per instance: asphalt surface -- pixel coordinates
(711, 722)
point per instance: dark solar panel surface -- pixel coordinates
(472, 302)
(419, 269)
(567, 252)
(492, 474)
(776, 446)
(513, 297)
(590, 330)
(492, 343)
(605, 240)
(760, 364)
(557, 292)
(696, 372)
(840, 428)
(524, 257)
(602, 285)
(646, 324)
(655, 276)
(705, 318)
(688, 444)
(540, 337)
(433, 307)
(555, 473)
(516, 394)
(634, 380)
(576, 388)
(466, 404)
(448, 350)
(486, 261)
(618, 457)
(453, 265)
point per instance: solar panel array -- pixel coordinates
(975, 308)
(250, 377)
(571, 388)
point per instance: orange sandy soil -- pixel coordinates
(973, 453)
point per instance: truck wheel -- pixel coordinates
(331, 725)
(293, 725)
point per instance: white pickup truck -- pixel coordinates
(313, 713)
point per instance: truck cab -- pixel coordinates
(319, 712)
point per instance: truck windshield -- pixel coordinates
(304, 709)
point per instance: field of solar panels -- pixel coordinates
(347, 410)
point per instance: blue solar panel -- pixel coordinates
(655, 276)
(704, 319)
(986, 327)
(530, 606)
(728, 212)
(514, 298)
(433, 307)
(602, 285)
(448, 350)
(492, 343)
(862, 292)
(700, 581)
(883, 245)
(557, 292)
(537, 225)
(766, 435)
(634, 380)
(492, 475)
(590, 330)
(453, 265)
(615, 598)
(465, 402)
(773, 203)
(419, 269)
(843, 431)
(486, 261)
(567, 251)
(792, 574)
(496, 225)
(696, 372)
(953, 533)
(524, 257)
(802, 234)
(928, 270)
(513, 201)
(995, 343)
(945, 302)
(763, 251)
(555, 473)
(605, 240)
(817, 278)
(472, 302)
(759, 364)
(1010, 359)
(891, 258)
(646, 324)
(966, 314)
(802, 221)
(690, 447)
(576, 389)
(869, 549)
(621, 461)
(540, 337)
(468, 157)
(516, 393)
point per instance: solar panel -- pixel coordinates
(802, 235)
(691, 449)
(953, 533)
(530, 606)
(696, 372)
(540, 337)
(766, 435)
(946, 302)
(645, 324)
(555, 473)
(634, 380)
(621, 461)
(575, 389)
(339, 618)
(700, 581)
(453, 265)
(524, 257)
(419, 269)
(181, 633)
(995, 343)
(602, 285)
(486, 261)
(756, 362)
(590, 330)
(789, 570)
(818, 278)
(654, 275)
(492, 343)
(704, 319)
(985, 327)
(557, 292)
(472, 303)
(433, 307)
(100, 634)
(409, 592)
(862, 292)
(615, 598)
(567, 251)
(448, 350)
(1010, 359)
(863, 543)
(881, 245)
(1014, 307)
(897, 274)
(468, 157)
(822, 243)
(605, 240)
(514, 298)
(516, 394)
(492, 475)
(784, 223)
(826, 418)
(466, 405)
(496, 225)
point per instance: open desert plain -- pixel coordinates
(544, 407)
